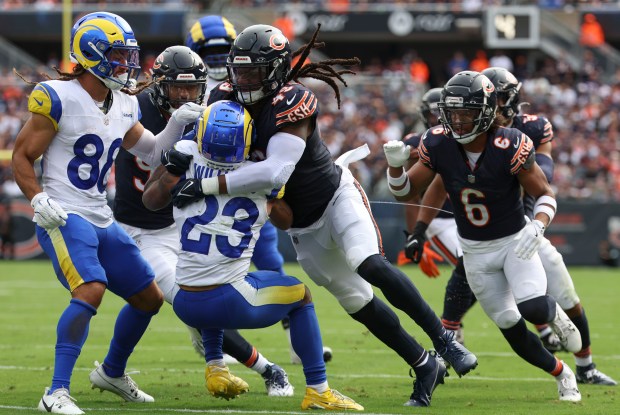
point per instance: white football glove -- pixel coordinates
(188, 113)
(396, 153)
(47, 213)
(530, 238)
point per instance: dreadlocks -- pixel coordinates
(79, 70)
(320, 70)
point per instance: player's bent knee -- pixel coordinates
(507, 319)
(539, 310)
(354, 302)
(90, 293)
(150, 299)
(307, 296)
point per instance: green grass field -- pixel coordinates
(31, 300)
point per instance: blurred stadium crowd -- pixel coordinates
(381, 104)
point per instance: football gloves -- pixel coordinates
(188, 113)
(427, 263)
(396, 153)
(186, 192)
(176, 162)
(47, 213)
(530, 238)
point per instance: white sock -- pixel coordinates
(216, 362)
(583, 361)
(545, 331)
(320, 388)
(260, 366)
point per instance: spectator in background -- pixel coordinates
(480, 62)
(418, 69)
(502, 60)
(457, 64)
(592, 35)
(286, 25)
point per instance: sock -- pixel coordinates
(583, 361)
(216, 362)
(71, 333)
(320, 388)
(400, 292)
(384, 324)
(235, 345)
(543, 330)
(260, 364)
(528, 346)
(559, 367)
(131, 324)
(306, 337)
(458, 298)
(212, 339)
(581, 322)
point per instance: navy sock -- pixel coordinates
(528, 346)
(384, 324)
(307, 342)
(581, 322)
(213, 340)
(401, 293)
(131, 324)
(71, 333)
(458, 298)
(236, 346)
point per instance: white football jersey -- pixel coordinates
(77, 163)
(217, 233)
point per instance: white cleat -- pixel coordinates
(276, 381)
(567, 385)
(565, 329)
(59, 402)
(123, 386)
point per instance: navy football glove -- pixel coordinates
(186, 192)
(414, 247)
(176, 162)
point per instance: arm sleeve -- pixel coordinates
(149, 146)
(283, 152)
(546, 164)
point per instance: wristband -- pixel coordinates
(404, 191)
(397, 181)
(547, 205)
(210, 185)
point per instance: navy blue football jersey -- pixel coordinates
(413, 140)
(486, 197)
(316, 177)
(132, 174)
(536, 127)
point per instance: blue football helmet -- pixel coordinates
(102, 43)
(224, 134)
(211, 38)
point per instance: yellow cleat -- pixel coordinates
(330, 400)
(223, 384)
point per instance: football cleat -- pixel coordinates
(423, 386)
(330, 400)
(223, 384)
(551, 342)
(328, 355)
(565, 329)
(590, 374)
(276, 381)
(567, 385)
(59, 402)
(196, 338)
(123, 386)
(455, 354)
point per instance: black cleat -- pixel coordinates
(590, 374)
(423, 386)
(455, 354)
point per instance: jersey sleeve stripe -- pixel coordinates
(424, 156)
(45, 101)
(522, 154)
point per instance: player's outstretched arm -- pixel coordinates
(157, 191)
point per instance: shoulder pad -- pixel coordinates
(293, 103)
(45, 101)
(221, 91)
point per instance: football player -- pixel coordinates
(77, 125)
(211, 37)
(218, 234)
(181, 77)
(483, 168)
(333, 231)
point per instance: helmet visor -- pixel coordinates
(248, 78)
(179, 93)
(124, 60)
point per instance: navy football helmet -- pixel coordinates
(180, 77)
(259, 63)
(211, 38)
(224, 134)
(468, 98)
(507, 87)
(429, 108)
